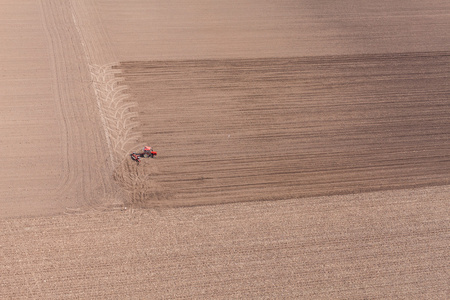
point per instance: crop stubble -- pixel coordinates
(387, 244)
(276, 128)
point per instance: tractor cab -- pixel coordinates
(148, 149)
(148, 152)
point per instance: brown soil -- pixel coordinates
(229, 94)
(174, 30)
(51, 148)
(365, 246)
(265, 129)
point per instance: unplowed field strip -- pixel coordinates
(276, 128)
(382, 245)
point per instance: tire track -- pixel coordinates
(87, 171)
(70, 134)
(80, 73)
(118, 117)
(117, 112)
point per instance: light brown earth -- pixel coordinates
(391, 244)
(337, 112)
(53, 153)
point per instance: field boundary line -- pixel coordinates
(117, 117)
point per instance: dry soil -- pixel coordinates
(334, 112)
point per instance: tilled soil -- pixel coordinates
(277, 128)
(273, 124)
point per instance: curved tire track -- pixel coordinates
(87, 170)
(116, 111)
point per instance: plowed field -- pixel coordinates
(338, 111)
(252, 129)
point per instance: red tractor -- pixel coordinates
(147, 152)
